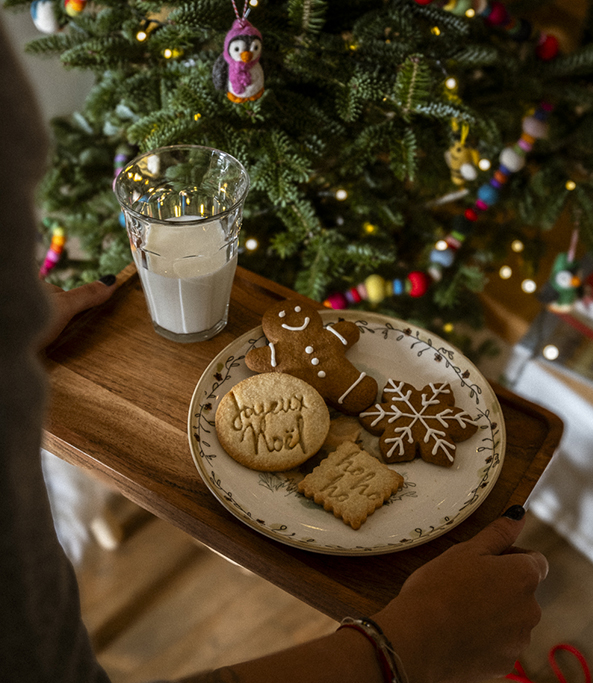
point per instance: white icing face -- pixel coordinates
(295, 328)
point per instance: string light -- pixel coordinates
(451, 83)
(341, 195)
(369, 228)
(570, 185)
(484, 164)
(167, 54)
(528, 286)
(517, 246)
(550, 352)
(470, 13)
(197, 116)
(435, 30)
(251, 244)
(448, 328)
(505, 272)
(141, 36)
(441, 245)
(253, 3)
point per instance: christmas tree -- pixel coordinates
(397, 150)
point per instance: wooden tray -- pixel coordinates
(119, 401)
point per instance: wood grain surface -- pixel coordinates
(118, 406)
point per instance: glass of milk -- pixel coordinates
(183, 207)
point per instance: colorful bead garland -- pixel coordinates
(54, 253)
(495, 13)
(375, 288)
(512, 160)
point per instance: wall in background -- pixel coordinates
(59, 91)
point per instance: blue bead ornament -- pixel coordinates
(443, 258)
(488, 194)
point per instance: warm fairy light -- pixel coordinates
(451, 83)
(550, 352)
(251, 244)
(484, 164)
(470, 13)
(341, 195)
(528, 286)
(167, 54)
(435, 30)
(253, 3)
(197, 116)
(448, 327)
(369, 228)
(441, 245)
(141, 36)
(517, 246)
(505, 272)
(570, 185)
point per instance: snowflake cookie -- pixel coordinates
(415, 422)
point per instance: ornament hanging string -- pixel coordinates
(246, 10)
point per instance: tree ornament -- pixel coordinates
(123, 154)
(74, 7)
(54, 253)
(237, 70)
(375, 289)
(462, 160)
(44, 16)
(564, 286)
(512, 159)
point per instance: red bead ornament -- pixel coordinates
(498, 14)
(470, 214)
(547, 47)
(420, 283)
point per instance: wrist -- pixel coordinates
(388, 661)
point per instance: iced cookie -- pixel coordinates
(415, 422)
(301, 346)
(351, 484)
(272, 422)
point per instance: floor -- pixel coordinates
(161, 605)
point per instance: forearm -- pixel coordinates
(344, 657)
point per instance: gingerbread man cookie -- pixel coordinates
(301, 346)
(415, 422)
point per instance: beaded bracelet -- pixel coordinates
(389, 661)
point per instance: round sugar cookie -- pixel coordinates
(272, 422)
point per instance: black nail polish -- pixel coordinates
(515, 512)
(107, 280)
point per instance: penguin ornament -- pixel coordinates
(238, 69)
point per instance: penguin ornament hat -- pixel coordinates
(238, 69)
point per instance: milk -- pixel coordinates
(187, 274)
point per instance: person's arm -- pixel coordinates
(462, 618)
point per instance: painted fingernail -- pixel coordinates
(515, 512)
(108, 280)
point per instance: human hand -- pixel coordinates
(467, 615)
(66, 304)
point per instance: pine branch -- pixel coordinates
(307, 17)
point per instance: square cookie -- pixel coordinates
(351, 483)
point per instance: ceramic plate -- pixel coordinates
(433, 499)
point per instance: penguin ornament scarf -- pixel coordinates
(237, 70)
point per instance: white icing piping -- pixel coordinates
(272, 355)
(297, 329)
(343, 396)
(338, 335)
